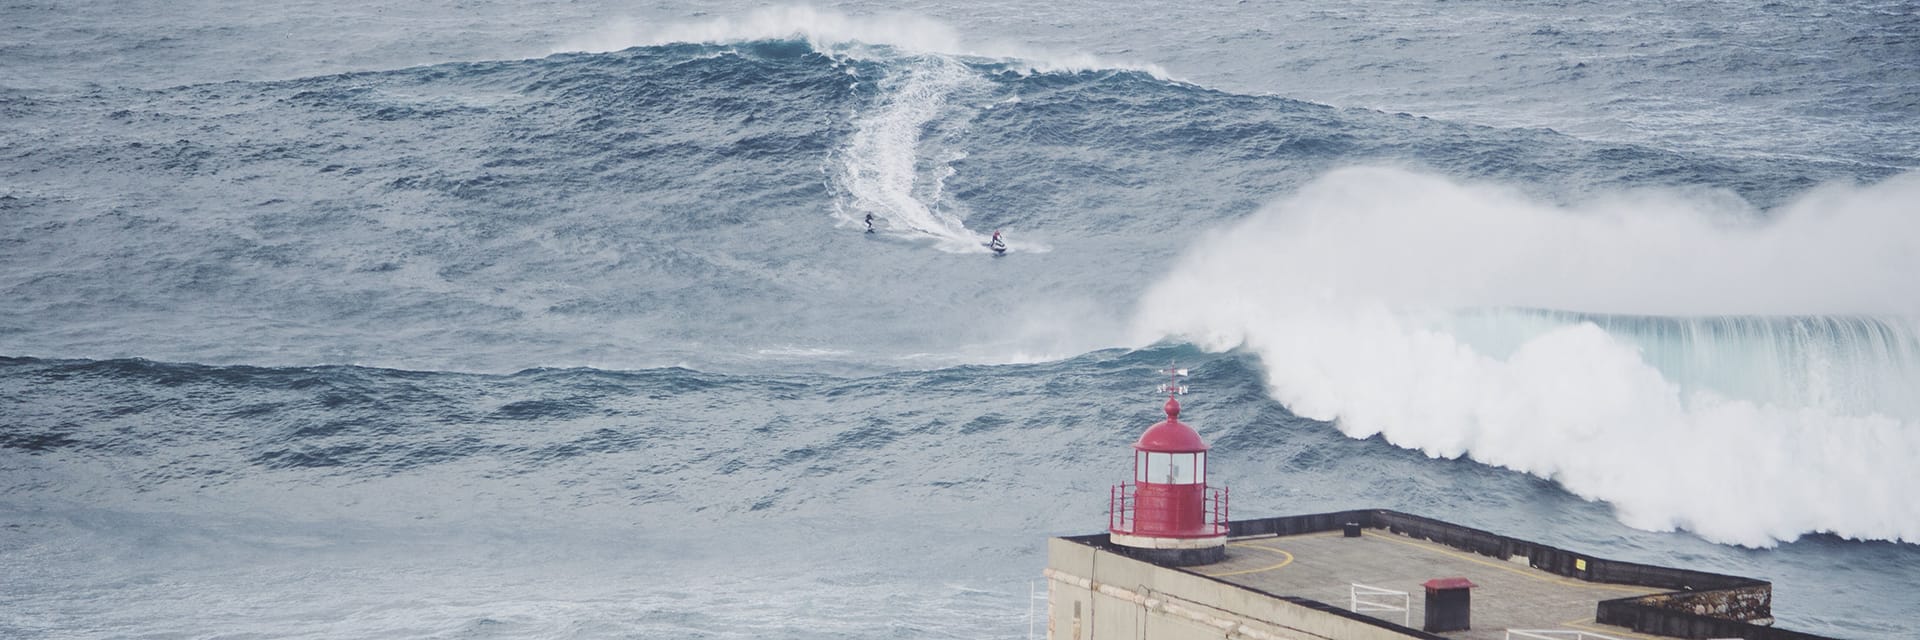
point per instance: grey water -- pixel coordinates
(487, 319)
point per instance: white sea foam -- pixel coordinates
(896, 163)
(1352, 292)
(880, 168)
(828, 30)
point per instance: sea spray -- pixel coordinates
(1352, 291)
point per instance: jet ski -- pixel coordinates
(998, 246)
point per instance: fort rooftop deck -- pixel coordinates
(1291, 577)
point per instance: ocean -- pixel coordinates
(478, 319)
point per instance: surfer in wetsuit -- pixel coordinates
(869, 223)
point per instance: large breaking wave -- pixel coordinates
(1761, 389)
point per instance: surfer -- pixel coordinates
(869, 223)
(998, 246)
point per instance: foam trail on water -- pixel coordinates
(827, 30)
(1355, 291)
(880, 167)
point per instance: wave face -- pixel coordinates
(422, 340)
(1856, 365)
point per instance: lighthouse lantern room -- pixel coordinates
(1168, 514)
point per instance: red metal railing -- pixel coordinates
(1217, 508)
(1120, 510)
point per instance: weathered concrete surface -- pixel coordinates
(1510, 594)
(1096, 594)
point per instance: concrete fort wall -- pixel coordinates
(1096, 593)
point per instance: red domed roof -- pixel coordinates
(1171, 436)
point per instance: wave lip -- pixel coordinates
(1366, 295)
(832, 31)
(1853, 365)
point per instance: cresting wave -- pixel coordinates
(1403, 305)
(895, 165)
(832, 31)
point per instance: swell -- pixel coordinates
(231, 475)
(684, 204)
(380, 445)
(679, 204)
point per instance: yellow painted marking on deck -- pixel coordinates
(1249, 545)
(1474, 558)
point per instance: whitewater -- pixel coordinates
(558, 320)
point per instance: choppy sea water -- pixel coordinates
(501, 320)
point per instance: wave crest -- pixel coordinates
(832, 31)
(1359, 295)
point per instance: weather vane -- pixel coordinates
(1173, 386)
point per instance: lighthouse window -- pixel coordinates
(1171, 468)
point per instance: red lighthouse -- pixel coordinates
(1168, 513)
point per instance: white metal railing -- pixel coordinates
(1033, 594)
(1556, 634)
(1365, 599)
